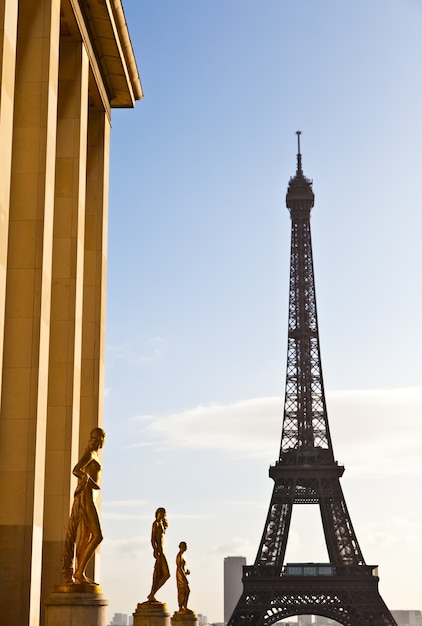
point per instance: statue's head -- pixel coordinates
(96, 439)
(183, 546)
(160, 516)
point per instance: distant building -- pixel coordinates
(119, 619)
(305, 620)
(233, 571)
(408, 618)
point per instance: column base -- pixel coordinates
(151, 614)
(184, 618)
(69, 608)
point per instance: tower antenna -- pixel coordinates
(299, 156)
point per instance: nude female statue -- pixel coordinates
(182, 582)
(84, 532)
(161, 569)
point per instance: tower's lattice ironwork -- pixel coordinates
(346, 588)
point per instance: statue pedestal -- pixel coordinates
(151, 614)
(184, 619)
(69, 608)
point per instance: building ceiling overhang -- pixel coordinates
(102, 26)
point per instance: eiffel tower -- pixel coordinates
(346, 588)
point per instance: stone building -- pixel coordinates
(64, 64)
(119, 619)
(233, 572)
(408, 617)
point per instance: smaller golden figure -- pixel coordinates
(182, 573)
(84, 532)
(161, 569)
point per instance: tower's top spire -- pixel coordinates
(299, 156)
(300, 197)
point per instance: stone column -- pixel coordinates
(94, 287)
(95, 267)
(8, 34)
(66, 306)
(27, 312)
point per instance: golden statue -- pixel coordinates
(161, 569)
(182, 582)
(84, 532)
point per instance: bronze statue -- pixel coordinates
(84, 532)
(161, 569)
(182, 582)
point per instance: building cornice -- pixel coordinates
(103, 28)
(127, 48)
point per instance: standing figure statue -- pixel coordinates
(161, 569)
(84, 532)
(182, 582)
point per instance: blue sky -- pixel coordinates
(199, 244)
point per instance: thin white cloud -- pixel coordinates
(237, 546)
(123, 503)
(380, 429)
(139, 444)
(399, 533)
(125, 515)
(132, 548)
(110, 515)
(248, 504)
(140, 350)
(249, 427)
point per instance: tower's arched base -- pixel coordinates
(350, 600)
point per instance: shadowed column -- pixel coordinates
(66, 306)
(8, 33)
(27, 311)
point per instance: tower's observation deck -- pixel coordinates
(300, 196)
